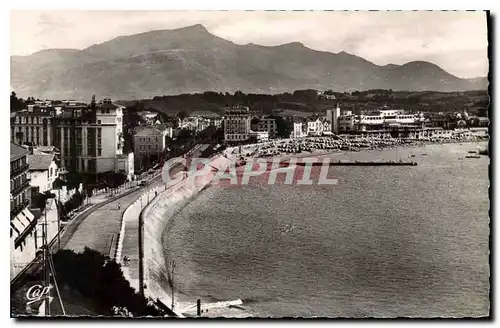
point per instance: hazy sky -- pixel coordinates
(456, 41)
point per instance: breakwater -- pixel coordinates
(156, 216)
(356, 163)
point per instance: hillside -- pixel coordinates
(305, 102)
(190, 59)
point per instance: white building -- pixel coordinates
(315, 127)
(260, 136)
(299, 130)
(89, 140)
(332, 115)
(389, 119)
(109, 136)
(43, 171)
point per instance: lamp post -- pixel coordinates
(172, 265)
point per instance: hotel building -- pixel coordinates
(90, 140)
(237, 124)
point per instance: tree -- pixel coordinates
(101, 280)
(16, 104)
(182, 114)
(283, 129)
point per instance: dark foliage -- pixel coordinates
(73, 203)
(283, 128)
(308, 101)
(39, 200)
(101, 280)
(16, 104)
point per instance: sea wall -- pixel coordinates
(156, 217)
(128, 243)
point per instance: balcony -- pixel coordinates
(19, 170)
(17, 209)
(16, 191)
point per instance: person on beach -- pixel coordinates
(119, 206)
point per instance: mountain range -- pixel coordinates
(190, 59)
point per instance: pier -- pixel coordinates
(357, 163)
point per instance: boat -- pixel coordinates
(424, 154)
(483, 151)
(472, 156)
(472, 152)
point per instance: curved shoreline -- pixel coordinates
(156, 216)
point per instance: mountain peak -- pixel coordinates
(294, 44)
(193, 28)
(190, 59)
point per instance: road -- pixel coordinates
(99, 229)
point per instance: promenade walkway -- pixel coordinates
(100, 228)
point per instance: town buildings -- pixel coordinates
(198, 123)
(237, 122)
(259, 136)
(27, 226)
(19, 182)
(89, 138)
(264, 124)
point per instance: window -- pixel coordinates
(98, 121)
(99, 151)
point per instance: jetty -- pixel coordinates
(357, 163)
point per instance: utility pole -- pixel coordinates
(172, 265)
(46, 277)
(58, 229)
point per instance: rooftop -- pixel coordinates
(17, 151)
(40, 162)
(46, 149)
(148, 131)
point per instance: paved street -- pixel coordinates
(101, 227)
